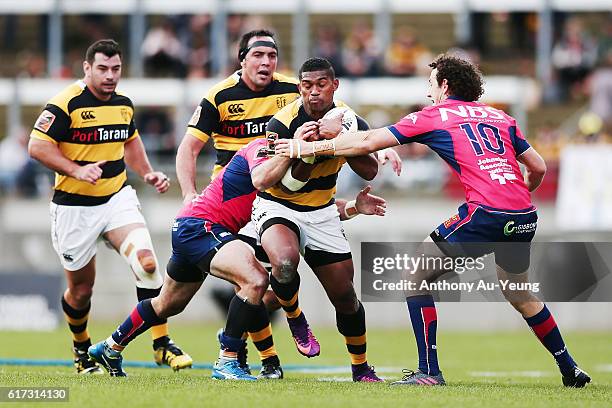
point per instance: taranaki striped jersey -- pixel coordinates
(234, 115)
(88, 130)
(320, 189)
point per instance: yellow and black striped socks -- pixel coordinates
(260, 331)
(77, 322)
(353, 328)
(287, 295)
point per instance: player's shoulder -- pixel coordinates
(63, 98)
(282, 78)
(120, 97)
(289, 112)
(222, 85)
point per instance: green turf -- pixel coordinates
(463, 356)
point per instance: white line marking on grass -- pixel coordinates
(335, 379)
(531, 374)
(604, 368)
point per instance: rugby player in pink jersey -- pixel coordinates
(204, 241)
(483, 146)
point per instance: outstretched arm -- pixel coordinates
(347, 144)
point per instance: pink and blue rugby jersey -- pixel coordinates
(229, 197)
(479, 143)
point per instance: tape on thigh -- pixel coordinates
(136, 241)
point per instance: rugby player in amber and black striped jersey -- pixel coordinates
(302, 218)
(236, 110)
(86, 133)
(233, 113)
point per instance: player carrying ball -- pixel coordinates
(484, 146)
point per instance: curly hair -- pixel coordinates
(464, 78)
(317, 64)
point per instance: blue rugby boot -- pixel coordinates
(230, 370)
(108, 358)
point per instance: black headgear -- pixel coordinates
(244, 51)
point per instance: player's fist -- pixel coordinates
(309, 131)
(159, 180)
(90, 172)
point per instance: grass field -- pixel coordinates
(504, 369)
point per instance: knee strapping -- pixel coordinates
(137, 250)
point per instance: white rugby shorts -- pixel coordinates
(76, 229)
(320, 230)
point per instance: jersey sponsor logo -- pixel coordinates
(44, 121)
(281, 102)
(125, 115)
(499, 169)
(67, 257)
(243, 129)
(451, 221)
(413, 117)
(236, 109)
(99, 135)
(88, 115)
(477, 112)
(510, 228)
(195, 117)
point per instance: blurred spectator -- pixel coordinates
(13, 157)
(467, 52)
(198, 54)
(162, 51)
(360, 52)
(327, 44)
(31, 64)
(19, 174)
(238, 24)
(406, 56)
(601, 91)
(155, 127)
(573, 57)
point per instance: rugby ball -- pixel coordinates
(349, 119)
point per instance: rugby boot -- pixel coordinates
(84, 364)
(109, 359)
(420, 378)
(578, 379)
(171, 355)
(306, 343)
(365, 373)
(271, 371)
(230, 370)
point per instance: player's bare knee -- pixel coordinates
(345, 301)
(286, 271)
(257, 285)
(80, 294)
